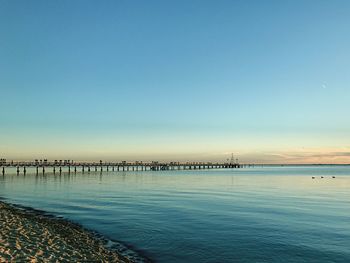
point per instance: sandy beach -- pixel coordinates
(29, 236)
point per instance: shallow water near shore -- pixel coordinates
(260, 214)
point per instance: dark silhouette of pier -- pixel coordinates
(74, 167)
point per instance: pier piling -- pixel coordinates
(118, 166)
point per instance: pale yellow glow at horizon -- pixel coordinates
(265, 148)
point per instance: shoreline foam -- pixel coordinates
(28, 235)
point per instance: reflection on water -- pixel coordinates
(265, 214)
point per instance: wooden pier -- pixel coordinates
(87, 167)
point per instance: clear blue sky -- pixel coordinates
(266, 80)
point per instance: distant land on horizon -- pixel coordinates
(103, 162)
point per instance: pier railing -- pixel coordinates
(114, 166)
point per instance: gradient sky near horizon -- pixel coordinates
(175, 80)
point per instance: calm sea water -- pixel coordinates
(266, 214)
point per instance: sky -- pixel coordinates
(175, 80)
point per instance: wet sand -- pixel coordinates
(29, 236)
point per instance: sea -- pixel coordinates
(251, 214)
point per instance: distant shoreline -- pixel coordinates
(31, 235)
